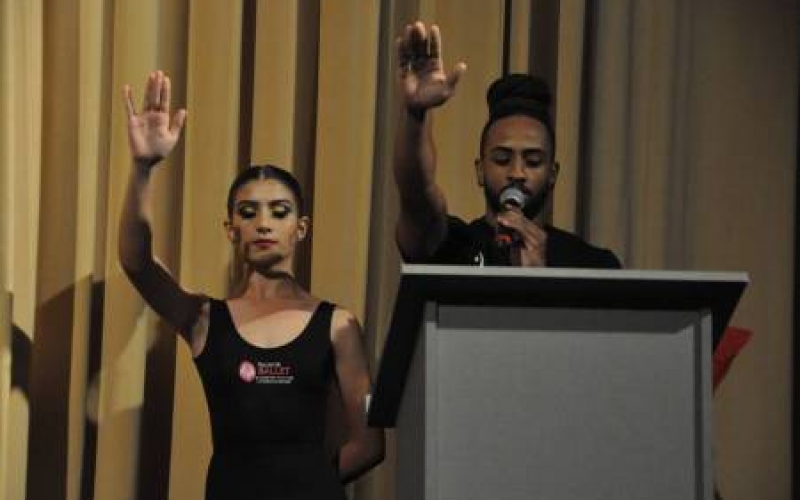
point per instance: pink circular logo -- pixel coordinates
(247, 371)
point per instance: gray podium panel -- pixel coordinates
(552, 384)
(556, 411)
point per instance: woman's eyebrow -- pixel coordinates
(271, 203)
(280, 201)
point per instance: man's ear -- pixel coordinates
(554, 176)
(479, 177)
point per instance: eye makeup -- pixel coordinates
(279, 209)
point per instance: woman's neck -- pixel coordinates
(271, 285)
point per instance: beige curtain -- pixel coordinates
(676, 128)
(691, 164)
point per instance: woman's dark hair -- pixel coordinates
(519, 94)
(264, 172)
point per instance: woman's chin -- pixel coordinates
(266, 262)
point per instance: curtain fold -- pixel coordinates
(691, 164)
(20, 146)
(676, 125)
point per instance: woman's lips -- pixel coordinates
(264, 244)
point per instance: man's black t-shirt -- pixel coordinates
(473, 244)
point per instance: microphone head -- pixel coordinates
(513, 196)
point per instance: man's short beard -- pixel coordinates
(531, 210)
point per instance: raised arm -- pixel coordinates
(423, 84)
(151, 136)
(364, 446)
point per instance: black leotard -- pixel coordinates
(267, 408)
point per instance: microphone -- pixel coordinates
(510, 197)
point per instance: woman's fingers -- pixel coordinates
(127, 95)
(178, 121)
(164, 95)
(154, 92)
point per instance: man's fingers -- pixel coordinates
(455, 75)
(435, 42)
(531, 236)
(417, 40)
(516, 220)
(403, 55)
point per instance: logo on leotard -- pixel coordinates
(247, 371)
(265, 373)
(273, 372)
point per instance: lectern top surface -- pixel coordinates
(574, 273)
(596, 289)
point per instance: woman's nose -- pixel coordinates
(264, 222)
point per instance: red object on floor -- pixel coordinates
(733, 340)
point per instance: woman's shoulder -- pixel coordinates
(343, 323)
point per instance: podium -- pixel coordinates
(552, 384)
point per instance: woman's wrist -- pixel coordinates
(145, 164)
(416, 114)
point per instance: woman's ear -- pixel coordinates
(303, 226)
(231, 231)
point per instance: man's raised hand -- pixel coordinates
(423, 81)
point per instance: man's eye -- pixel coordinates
(501, 158)
(534, 161)
(246, 212)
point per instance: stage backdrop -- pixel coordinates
(677, 126)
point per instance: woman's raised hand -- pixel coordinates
(423, 81)
(152, 133)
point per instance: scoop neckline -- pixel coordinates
(302, 333)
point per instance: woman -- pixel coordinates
(266, 356)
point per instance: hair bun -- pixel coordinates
(520, 94)
(518, 87)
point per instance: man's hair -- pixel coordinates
(265, 172)
(519, 94)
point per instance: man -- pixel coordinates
(516, 169)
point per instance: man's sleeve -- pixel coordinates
(457, 248)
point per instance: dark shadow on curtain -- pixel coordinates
(543, 57)
(44, 369)
(94, 355)
(155, 446)
(305, 98)
(587, 82)
(49, 398)
(246, 83)
(305, 137)
(796, 321)
(20, 361)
